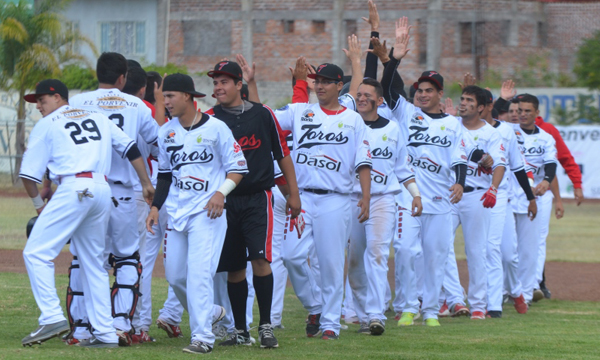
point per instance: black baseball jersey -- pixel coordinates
(262, 140)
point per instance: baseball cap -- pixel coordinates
(432, 76)
(229, 68)
(182, 83)
(495, 114)
(329, 71)
(489, 98)
(48, 87)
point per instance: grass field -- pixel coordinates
(573, 238)
(551, 330)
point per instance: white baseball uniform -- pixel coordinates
(133, 117)
(539, 149)
(75, 146)
(328, 149)
(435, 145)
(198, 161)
(474, 218)
(500, 253)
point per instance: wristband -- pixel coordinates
(38, 202)
(226, 187)
(413, 189)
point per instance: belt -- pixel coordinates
(469, 189)
(85, 174)
(319, 191)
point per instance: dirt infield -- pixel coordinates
(566, 280)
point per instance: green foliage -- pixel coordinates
(587, 63)
(584, 109)
(170, 68)
(77, 77)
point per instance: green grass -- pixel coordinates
(551, 330)
(573, 238)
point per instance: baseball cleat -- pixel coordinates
(444, 311)
(364, 329)
(398, 315)
(407, 319)
(124, 338)
(173, 331)
(141, 338)
(494, 314)
(329, 335)
(313, 325)
(478, 315)
(198, 347)
(46, 332)
(266, 337)
(520, 304)
(459, 310)
(219, 331)
(239, 337)
(432, 322)
(537, 295)
(95, 343)
(376, 326)
(279, 327)
(547, 293)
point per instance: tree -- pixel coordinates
(587, 62)
(33, 46)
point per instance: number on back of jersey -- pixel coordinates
(89, 126)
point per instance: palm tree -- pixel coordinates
(33, 45)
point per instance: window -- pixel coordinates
(288, 26)
(318, 26)
(466, 37)
(542, 34)
(206, 38)
(72, 27)
(125, 37)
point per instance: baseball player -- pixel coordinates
(132, 116)
(370, 241)
(482, 142)
(540, 155)
(75, 146)
(330, 145)
(200, 163)
(435, 146)
(250, 206)
(502, 255)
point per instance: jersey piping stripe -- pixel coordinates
(281, 137)
(362, 163)
(269, 237)
(127, 149)
(153, 141)
(408, 178)
(30, 178)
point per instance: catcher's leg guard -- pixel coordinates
(76, 311)
(128, 272)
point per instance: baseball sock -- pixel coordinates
(263, 285)
(238, 296)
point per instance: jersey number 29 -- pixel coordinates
(89, 126)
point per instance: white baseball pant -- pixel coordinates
(328, 225)
(122, 240)
(475, 220)
(280, 273)
(192, 280)
(368, 254)
(85, 223)
(510, 255)
(408, 262)
(495, 275)
(528, 252)
(544, 212)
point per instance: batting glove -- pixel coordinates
(489, 198)
(299, 223)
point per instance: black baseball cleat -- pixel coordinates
(266, 337)
(239, 337)
(198, 347)
(376, 326)
(494, 314)
(547, 293)
(313, 325)
(46, 332)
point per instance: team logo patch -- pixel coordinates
(384, 137)
(417, 119)
(170, 138)
(249, 143)
(319, 161)
(222, 64)
(191, 183)
(241, 163)
(443, 127)
(321, 67)
(307, 115)
(340, 124)
(283, 108)
(236, 148)
(75, 114)
(199, 139)
(502, 147)
(436, 198)
(111, 102)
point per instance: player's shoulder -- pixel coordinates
(168, 128)
(452, 122)
(543, 134)
(294, 107)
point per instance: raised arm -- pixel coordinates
(248, 72)
(400, 50)
(373, 20)
(353, 53)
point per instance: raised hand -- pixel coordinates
(299, 72)
(247, 70)
(450, 109)
(373, 19)
(353, 52)
(310, 82)
(508, 91)
(468, 80)
(380, 50)
(402, 38)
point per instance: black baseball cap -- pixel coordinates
(228, 68)
(182, 83)
(329, 71)
(489, 98)
(495, 113)
(432, 76)
(48, 87)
